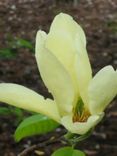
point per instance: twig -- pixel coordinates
(43, 144)
(27, 150)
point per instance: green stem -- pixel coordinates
(69, 135)
(74, 139)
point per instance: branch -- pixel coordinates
(43, 144)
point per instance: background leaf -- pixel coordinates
(68, 151)
(24, 43)
(36, 124)
(4, 111)
(13, 44)
(7, 53)
(12, 111)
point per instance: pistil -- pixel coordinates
(80, 113)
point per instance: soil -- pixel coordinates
(22, 18)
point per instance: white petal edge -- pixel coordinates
(81, 127)
(22, 97)
(54, 75)
(102, 89)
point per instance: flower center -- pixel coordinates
(80, 113)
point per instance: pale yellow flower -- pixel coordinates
(79, 100)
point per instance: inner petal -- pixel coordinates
(81, 127)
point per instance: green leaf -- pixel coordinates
(4, 111)
(19, 114)
(16, 111)
(7, 53)
(68, 151)
(24, 43)
(36, 124)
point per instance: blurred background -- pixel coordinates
(19, 22)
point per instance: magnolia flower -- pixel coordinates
(79, 100)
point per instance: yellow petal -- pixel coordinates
(54, 75)
(81, 127)
(60, 41)
(25, 98)
(64, 22)
(102, 89)
(83, 70)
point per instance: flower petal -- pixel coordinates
(81, 127)
(64, 22)
(102, 89)
(83, 70)
(60, 41)
(54, 75)
(25, 98)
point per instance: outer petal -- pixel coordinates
(83, 70)
(54, 75)
(60, 41)
(64, 22)
(81, 127)
(102, 89)
(25, 98)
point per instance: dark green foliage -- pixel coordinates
(14, 111)
(7, 53)
(19, 42)
(13, 45)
